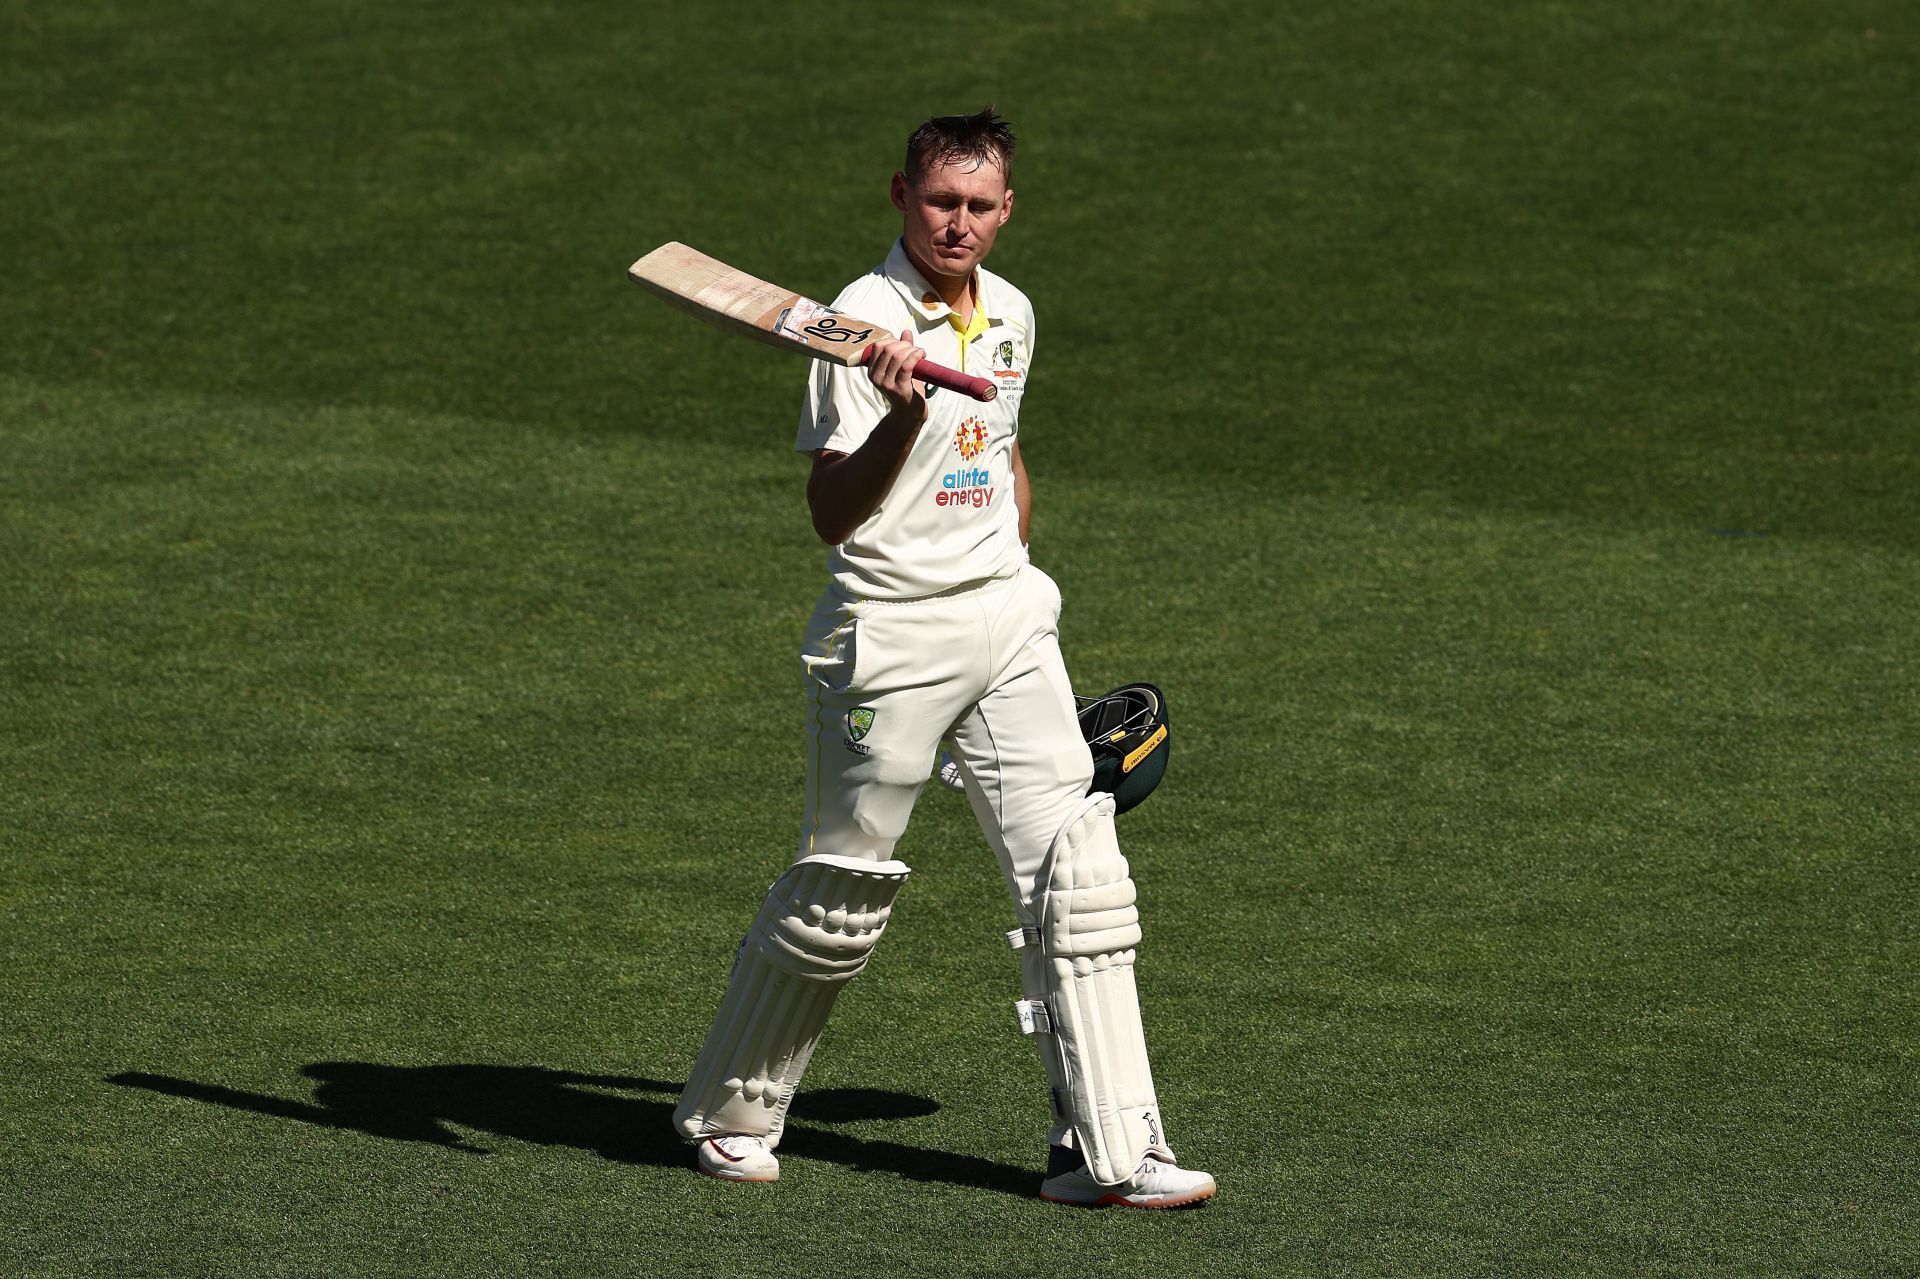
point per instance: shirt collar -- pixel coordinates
(905, 277)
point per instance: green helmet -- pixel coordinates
(1127, 732)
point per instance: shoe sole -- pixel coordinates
(1193, 1200)
(737, 1176)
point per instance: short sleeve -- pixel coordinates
(840, 409)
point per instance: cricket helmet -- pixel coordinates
(1127, 732)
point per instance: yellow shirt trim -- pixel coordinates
(972, 328)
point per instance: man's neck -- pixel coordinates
(955, 290)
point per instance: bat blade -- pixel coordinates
(709, 289)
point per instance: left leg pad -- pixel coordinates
(1089, 1017)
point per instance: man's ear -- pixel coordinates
(900, 191)
(1006, 207)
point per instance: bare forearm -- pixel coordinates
(845, 489)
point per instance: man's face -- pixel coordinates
(951, 215)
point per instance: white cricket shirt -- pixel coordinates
(950, 518)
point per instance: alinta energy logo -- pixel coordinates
(970, 486)
(970, 438)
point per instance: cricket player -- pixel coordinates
(937, 631)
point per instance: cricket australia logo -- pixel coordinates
(970, 438)
(859, 721)
(1003, 367)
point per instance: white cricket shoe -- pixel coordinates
(1156, 1183)
(732, 1157)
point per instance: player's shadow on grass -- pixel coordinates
(566, 1108)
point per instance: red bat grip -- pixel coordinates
(940, 375)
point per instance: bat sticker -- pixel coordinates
(793, 320)
(807, 321)
(829, 329)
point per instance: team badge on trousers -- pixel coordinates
(859, 720)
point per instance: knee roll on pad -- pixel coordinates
(814, 933)
(1090, 1015)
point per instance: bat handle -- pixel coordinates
(940, 375)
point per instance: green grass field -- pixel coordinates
(1497, 427)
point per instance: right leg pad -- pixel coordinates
(814, 933)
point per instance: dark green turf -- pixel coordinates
(1495, 426)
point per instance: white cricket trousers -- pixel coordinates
(979, 668)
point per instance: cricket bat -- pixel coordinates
(711, 290)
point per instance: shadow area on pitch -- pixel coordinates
(585, 1111)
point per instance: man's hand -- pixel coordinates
(891, 368)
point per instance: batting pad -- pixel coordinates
(1088, 930)
(816, 928)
